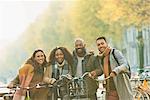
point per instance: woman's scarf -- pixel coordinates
(62, 64)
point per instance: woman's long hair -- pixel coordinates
(34, 63)
(67, 56)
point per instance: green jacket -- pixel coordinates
(88, 63)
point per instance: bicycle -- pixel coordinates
(141, 91)
(77, 87)
(103, 90)
(9, 96)
(59, 88)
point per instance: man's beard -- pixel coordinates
(80, 51)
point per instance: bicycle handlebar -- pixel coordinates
(86, 73)
(66, 76)
(81, 77)
(108, 77)
(39, 85)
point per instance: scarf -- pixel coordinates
(105, 56)
(106, 62)
(109, 83)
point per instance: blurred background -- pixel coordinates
(26, 25)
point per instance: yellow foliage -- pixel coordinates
(135, 12)
(111, 11)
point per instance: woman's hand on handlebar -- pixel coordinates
(53, 80)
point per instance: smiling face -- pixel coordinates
(39, 57)
(59, 56)
(80, 47)
(101, 45)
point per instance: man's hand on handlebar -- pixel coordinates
(92, 74)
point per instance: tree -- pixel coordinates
(126, 13)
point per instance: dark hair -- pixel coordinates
(33, 62)
(102, 37)
(38, 50)
(67, 55)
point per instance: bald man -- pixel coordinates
(83, 61)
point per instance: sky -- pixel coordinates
(15, 16)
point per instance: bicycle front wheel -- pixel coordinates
(146, 96)
(138, 95)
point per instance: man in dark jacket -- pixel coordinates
(84, 62)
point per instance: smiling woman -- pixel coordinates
(30, 74)
(15, 17)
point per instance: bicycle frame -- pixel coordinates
(17, 87)
(140, 90)
(58, 85)
(77, 87)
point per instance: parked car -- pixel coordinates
(5, 93)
